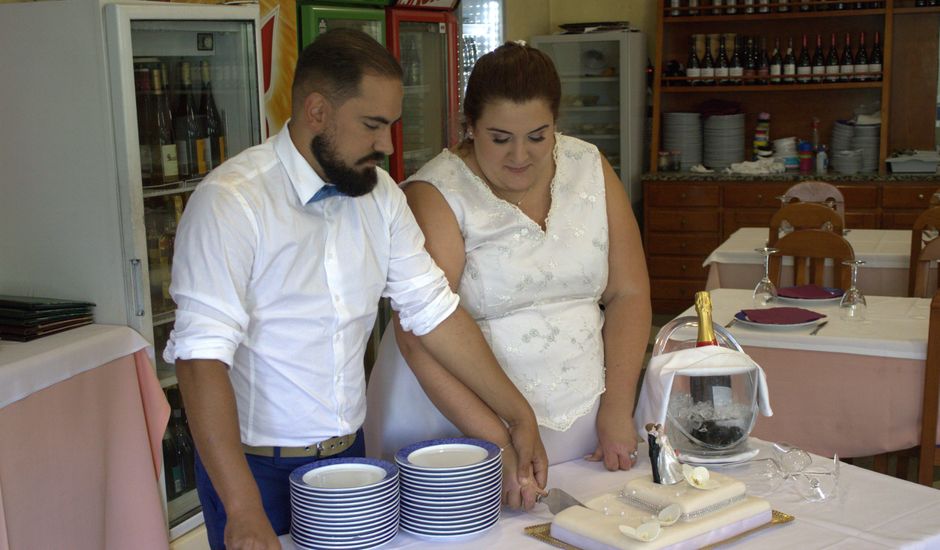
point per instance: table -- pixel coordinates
(735, 264)
(82, 418)
(852, 389)
(872, 511)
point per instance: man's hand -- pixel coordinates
(250, 530)
(617, 440)
(515, 495)
(533, 462)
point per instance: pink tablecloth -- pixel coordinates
(80, 462)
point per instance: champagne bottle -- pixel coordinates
(861, 60)
(144, 122)
(712, 389)
(750, 62)
(215, 130)
(693, 69)
(874, 60)
(804, 66)
(832, 61)
(722, 67)
(708, 64)
(163, 151)
(847, 61)
(190, 144)
(763, 63)
(776, 64)
(819, 61)
(789, 63)
(736, 66)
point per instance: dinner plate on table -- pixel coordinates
(834, 299)
(741, 317)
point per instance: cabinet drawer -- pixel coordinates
(859, 197)
(862, 220)
(682, 220)
(907, 196)
(753, 195)
(676, 290)
(681, 244)
(677, 267)
(691, 194)
(899, 219)
(746, 217)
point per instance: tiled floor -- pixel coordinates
(864, 462)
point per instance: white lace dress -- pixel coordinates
(533, 293)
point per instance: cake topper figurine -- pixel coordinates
(663, 459)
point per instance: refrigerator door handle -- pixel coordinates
(137, 276)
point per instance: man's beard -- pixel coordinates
(349, 180)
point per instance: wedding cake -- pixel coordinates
(718, 510)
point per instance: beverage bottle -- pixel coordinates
(861, 59)
(847, 62)
(776, 64)
(171, 471)
(750, 62)
(874, 60)
(804, 66)
(165, 166)
(763, 63)
(782, 6)
(832, 61)
(822, 160)
(736, 66)
(190, 141)
(184, 452)
(693, 7)
(708, 64)
(693, 69)
(806, 5)
(789, 63)
(708, 389)
(819, 61)
(722, 67)
(144, 122)
(674, 4)
(215, 130)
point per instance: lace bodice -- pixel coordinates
(535, 293)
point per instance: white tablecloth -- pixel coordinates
(872, 511)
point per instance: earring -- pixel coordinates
(470, 134)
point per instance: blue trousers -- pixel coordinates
(272, 474)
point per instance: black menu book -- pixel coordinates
(25, 318)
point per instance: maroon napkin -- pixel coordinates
(781, 315)
(808, 292)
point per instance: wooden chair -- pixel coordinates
(935, 198)
(923, 251)
(818, 192)
(810, 248)
(804, 215)
(929, 452)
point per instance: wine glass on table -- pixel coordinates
(765, 292)
(852, 306)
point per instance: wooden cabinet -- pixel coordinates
(903, 203)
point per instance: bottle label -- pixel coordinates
(874, 67)
(831, 70)
(789, 69)
(693, 72)
(775, 70)
(169, 162)
(861, 69)
(736, 71)
(708, 72)
(819, 69)
(846, 69)
(804, 73)
(721, 72)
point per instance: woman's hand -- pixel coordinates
(617, 439)
(515, 494)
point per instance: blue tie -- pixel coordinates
(324, 192)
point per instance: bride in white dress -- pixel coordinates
(535, 232)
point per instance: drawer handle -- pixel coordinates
(682, 195)
(920, 196)
(682, 222)
(683, 268)
(682, 245)
(760, 196)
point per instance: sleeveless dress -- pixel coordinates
(534, 295)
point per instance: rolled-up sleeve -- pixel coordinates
(214, 252)
(417, 287)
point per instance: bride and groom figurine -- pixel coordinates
(663, 458)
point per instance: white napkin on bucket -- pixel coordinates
(703, 361)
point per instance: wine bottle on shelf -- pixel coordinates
(763, 63)
(722, 67)
(172, 472)
(861, 59)
(215, 130)
(804, 66)
(708, 389)
(708, 64)
(776, 64)
(190, 143)
(163, 145)
(832, 61)
(716, 7)
(144, 122)
(783, 5)
(847, 61)
(819, 61)
(736, 66)
(693, 7)
(674, 11)
(789, 63)
(750, 62)
(874, 59)
(732, 8)
(693, 69)
(806, 5)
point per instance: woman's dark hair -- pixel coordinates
(335, 62)
(515, 72)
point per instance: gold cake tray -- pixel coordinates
(542, 532)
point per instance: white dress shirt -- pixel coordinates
(285, 291)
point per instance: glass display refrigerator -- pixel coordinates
(481, 31)
(315, 17)
(603, 87)
(115, 113)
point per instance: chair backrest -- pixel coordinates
(804, 215)
(924, 232)
(935, 198)
(819, 192)
(929, 453)
(810, 248)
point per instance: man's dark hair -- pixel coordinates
(335, 62)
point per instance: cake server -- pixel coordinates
(557, 500)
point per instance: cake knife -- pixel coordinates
(557, 500)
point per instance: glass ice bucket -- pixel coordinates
(708, 415)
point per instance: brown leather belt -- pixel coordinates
(323, 449)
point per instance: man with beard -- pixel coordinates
(282, 255)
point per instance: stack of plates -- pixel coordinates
(724, 140)
(842, 133)
(450, 488)
(847, 162)
(855, 147)
(682, 132)
(867, 138)
(344, 503)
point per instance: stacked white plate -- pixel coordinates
(842, 133)
(855, 147)
(724, 140)
(682, 132)
(344, 503)
(451, 489)
(867, 139)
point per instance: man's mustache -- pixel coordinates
(378, 157)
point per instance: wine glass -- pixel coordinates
(765, 292)
(819, 483)
(852, 306)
